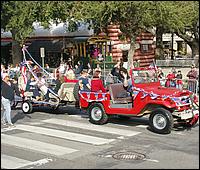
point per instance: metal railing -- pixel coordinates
(177, 63)
(189, 84)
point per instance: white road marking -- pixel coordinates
(39, 162)
(151, 160)
(178, 133)
(65, 135)
(92, 127)
(121, 137)
(142, 126)
(78, 116)
(35, 145)
(9, 162)
(5, 129)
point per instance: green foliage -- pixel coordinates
(18, 17)
(132, 16)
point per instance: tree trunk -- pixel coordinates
(194, 47)
(159, 43)
(16, 50)
(131, 53)
(192, 42)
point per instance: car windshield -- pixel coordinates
(144, 76)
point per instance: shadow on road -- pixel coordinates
(20, 115)
(114, 119)
(129, 121)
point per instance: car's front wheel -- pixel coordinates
(97, 114)
(161, 121)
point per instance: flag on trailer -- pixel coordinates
(23, 71)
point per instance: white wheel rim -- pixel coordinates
(96, 113)
(159, 121)
(25, 107)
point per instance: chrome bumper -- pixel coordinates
(186, 114)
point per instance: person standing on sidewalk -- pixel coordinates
(179, 81)
(193, 76)
(8, 90)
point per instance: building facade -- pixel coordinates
(60, 45)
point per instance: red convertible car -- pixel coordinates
(164, 105)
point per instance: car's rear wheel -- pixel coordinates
(161, 121)
(27, 107)
(97, 114)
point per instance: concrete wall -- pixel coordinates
(177, 63)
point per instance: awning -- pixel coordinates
(99, 39)
(80, 39)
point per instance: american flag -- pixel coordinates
(23, 71)
(153, 68)
(153, 65)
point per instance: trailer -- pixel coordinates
(67, 94)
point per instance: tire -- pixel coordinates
(161, 121)
(27, 107)
(97, 114)
(76, 91)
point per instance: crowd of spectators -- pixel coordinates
(174, 78)
(89, 77)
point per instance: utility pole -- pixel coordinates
(172, 47)
(42, 54)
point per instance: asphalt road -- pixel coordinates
(67, 140)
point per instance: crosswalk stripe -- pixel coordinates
(76, 116)
(92, 127)
(142, 126)
(35, 145)
(9, 162)
(65, 135)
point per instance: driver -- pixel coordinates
(127, 82)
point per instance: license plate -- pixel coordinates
(186, 114)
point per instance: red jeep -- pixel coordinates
(165, 106)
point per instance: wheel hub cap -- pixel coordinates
(159, 121)
(25, 107)
(96, 114)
